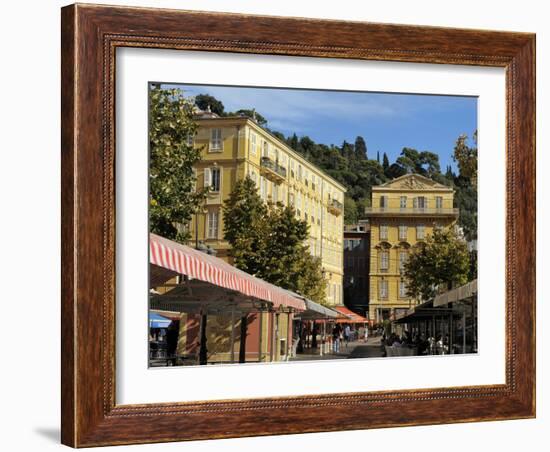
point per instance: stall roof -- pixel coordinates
(460, 293)
(350, 316)
(187, 261)
(316, 311)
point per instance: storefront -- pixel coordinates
(225, 314)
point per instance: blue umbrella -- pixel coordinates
(158, 321)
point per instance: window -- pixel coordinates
(420, 231)
(383, 232)
(215, 179)
(299, 172)
(216, 143)
(403, 255)
(263, 187)
(402, 232)
(265, 152)
(212, 177)
(253, 143)
(190, 139)
(384, 261)
(291, 199)
(383, 202)
(275, 194)
(438, 202)
(292, 168)
(383, 289)
(420, 202)
(402, 288)
(402, 202)
(213, 221)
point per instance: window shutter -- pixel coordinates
(207, 179)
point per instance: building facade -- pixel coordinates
(234, 147)
(404, 212)
(357, 267)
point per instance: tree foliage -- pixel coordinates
(269, 242)
(172, 196)
(206, 101)
(244, 214)
(466, 158)
(252, 114)
(442, 262)
(361, 148)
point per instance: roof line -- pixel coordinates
(295, 153)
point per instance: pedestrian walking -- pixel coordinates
(366, 333)
(336, 331)
(347, 334)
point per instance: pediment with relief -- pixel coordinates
(413, 182)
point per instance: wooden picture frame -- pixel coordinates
(90, 36)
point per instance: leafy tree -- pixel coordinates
(466, 158)
(395, 170)
(251, 113)
(429, 162)
(350, 211)
(172, 197)
(360, 148)
(466, 200)
(244, 214)
(288, 262)
(270, 242)
(385, 163)
(204, 101)
(348, 150)
(443, 261)
(311, 282)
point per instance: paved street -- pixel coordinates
(356, 349)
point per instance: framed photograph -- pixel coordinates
(282, 225)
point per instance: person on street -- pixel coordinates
(336, 331)
(347, 334)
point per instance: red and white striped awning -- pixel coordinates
(204, 267)
(350, 316)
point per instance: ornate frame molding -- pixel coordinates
(90, 37)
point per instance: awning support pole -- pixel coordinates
(203, 351)
(288, 335)
(451, 334)
(261, 333)
(232, 333)
(464, 330)
(242, 345)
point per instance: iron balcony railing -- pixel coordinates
(266, 162)
(334, 203)
(412, 210)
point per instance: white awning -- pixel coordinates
(460, 293)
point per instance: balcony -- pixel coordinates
(411, 212)
(335, 207)
(272, 170)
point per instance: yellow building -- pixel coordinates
(404, 212)
(233, 147)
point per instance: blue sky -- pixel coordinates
(387, 122)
